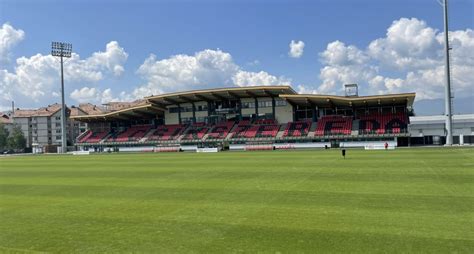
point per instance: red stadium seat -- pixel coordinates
(260, 128)
(167, 132)
(94, 137)
(334, 125)
(297, 129)
(221, 130)
(378, 123)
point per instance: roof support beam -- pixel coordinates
(331, 104)
(156, 110)
(222, 98)
(171, 101)
(118, 116)
(201, 97)
(290, 102)
(269, 94)
(250, 94)
(233, 95)
(143, 114)
(179, 113)
(313, 112)
(158, 104)
(194, 112)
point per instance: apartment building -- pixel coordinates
(42, 127)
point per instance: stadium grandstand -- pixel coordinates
(259, 115)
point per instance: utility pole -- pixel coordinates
(448, 111)
(62, 50)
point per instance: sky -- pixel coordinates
(126, 50)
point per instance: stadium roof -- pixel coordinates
(151, 106)
(346, 101)
(147, 110)
(220, 94)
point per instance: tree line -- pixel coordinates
(14, 140)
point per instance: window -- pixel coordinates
(201, 108)
(248, 105)
(280, 103)
(58, 137)
(264, 104)
(173, 110)
(185, 120)
(58, 124)
(58, 118)
(201, 119)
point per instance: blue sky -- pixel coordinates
(256, 34)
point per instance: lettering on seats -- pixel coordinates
(260, 130)
(242, 129)
(369, 124)
(219, 130)
(293, 128)
(395, 123)
(334, 125)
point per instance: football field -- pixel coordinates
(405, 200)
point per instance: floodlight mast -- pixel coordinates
(448, 111)
(62, 49)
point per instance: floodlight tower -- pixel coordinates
(62, 50)
(448, 111)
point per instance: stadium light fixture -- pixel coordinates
(447, 69)
(61, 50)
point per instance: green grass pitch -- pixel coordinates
(406, 200)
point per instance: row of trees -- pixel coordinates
(15, 140)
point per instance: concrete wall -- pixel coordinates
(284, 114)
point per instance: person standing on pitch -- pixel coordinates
(386, 145)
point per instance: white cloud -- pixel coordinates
(304, 89)
(35, 79)
(106, 96)
(9, 37)
(334, 77)
(262, 78)
(409, 43)
(337, 53)
(462, 44)
(94, 95)
(205, 69)
(409, 58)
(296, 49)
(85, 94)
(111, 60)
(211, 68)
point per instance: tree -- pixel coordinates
(3, 137)
(16, 140)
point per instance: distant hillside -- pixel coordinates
(436, 106)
